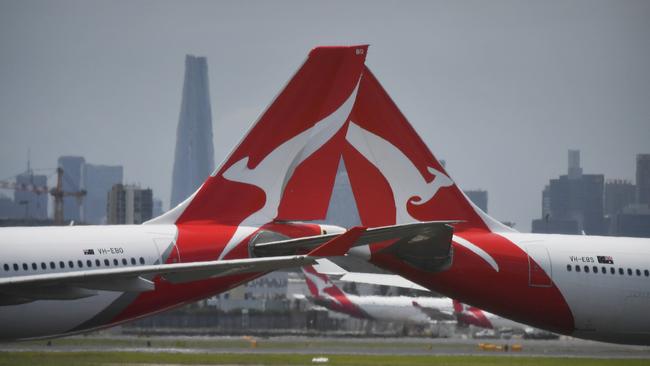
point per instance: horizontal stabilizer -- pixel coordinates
(412, 231)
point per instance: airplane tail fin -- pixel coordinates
(320, 285)
(271, 174)
(285, 167)
(394, 176)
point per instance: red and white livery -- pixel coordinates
(405, 309)
(62, 280)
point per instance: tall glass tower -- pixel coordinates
(194, 157)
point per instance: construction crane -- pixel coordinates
(57, 193)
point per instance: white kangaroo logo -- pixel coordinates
(273, 173)
(405, 180)
(321, 285)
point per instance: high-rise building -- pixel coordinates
(643, 178)
(575, 171)
(573, 203)
(194, 155)
(342, 209)
(73, 167)
(618, 194)
(479, 197)
(633, 220)
(34, 204)
(128, 204)
(98, 181)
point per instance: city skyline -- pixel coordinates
(492, 88)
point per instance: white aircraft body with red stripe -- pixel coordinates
(252, 216)
(591, 287)
(406, 309)
(62, 280)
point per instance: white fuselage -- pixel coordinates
(40, 250)
(609, 301)
(401, 308)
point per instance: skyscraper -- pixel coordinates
(643, 178)
(194, 156)
(128, 204)
(73, 167)
(98, 180)
(573, 203)
(618, 195)
(342, 209)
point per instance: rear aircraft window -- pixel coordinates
(646, 273)
(25, 267)
(107, 263)
(638, 272)
(141, 260)
(98, 263)
(52, 265)
(89, 263)
(577, 268)
(15, 266)
(133, 261)
(595, 269)
(6, 266)
(586, 269)
(629, 271)
(43, 265)
(80, 264)
(71, 264)
(568, 267)
(124, 262)
(604, 270)
(34, 266)
(612, 270)
(621, 271)
(115, 262)
(61, 264)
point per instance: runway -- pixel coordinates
(325, 345)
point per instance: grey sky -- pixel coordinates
(499, 89)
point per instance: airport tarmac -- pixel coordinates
(567, 347)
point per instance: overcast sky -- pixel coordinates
(499, 89)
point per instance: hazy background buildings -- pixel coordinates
(98, 181)
(578, 203)
(129, 204)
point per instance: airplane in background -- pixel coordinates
(405, 309)
(422, 310)
(62, 280)
(590, 287)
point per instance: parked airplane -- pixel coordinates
(62, 280)
(405, 309)
(470, 315)
(590, 287)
